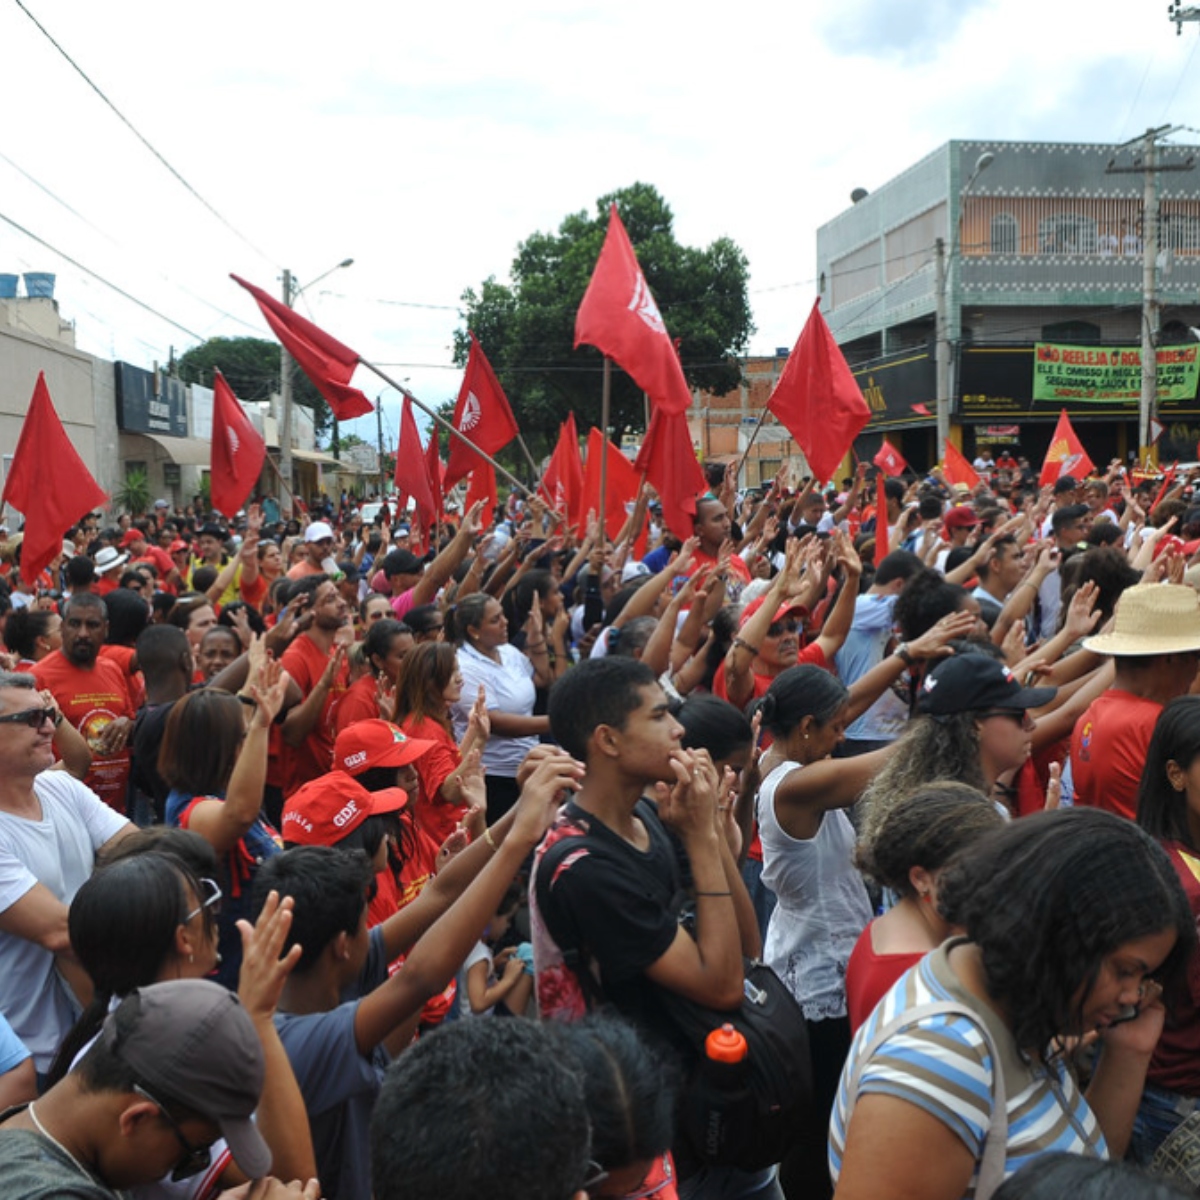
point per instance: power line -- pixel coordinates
(133, 129)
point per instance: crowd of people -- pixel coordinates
(348, 860)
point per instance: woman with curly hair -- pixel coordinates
(1074, 922)
(917, 838)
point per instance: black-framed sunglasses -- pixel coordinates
(1013, 714)
(195, 1158)
(787, 625)
(209, 902)
(35, 718)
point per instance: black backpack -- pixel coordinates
(749, 1124)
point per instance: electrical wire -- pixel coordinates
(136, 133)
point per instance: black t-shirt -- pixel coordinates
(617, 905)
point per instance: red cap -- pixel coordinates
(962, 516)
(375, 743)
(131, 536)
(176, 546)
(326, 809)
(781, 612)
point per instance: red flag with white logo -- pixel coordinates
(1066, 455)
(238, 450)
(412, 474)
(619, 317)
(48, 483)
(482, 414)
(889, 460)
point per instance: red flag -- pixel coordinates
(1066, 455)
(412, 474)
(327, 362)
(619, 317)
(881, 519)
(48, 483)
(956, 468)
(1168, 479)
(818, 400)
(238, 450)
(434, 467)
(482, 487)
(482, 414)
(669, 462)
(922, 409)
(562, 483)
(622, 484)
(890, 460)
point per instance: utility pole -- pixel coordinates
(941, 351)
(1177, 13)
(379, 433)
(1147, 164)
(285, 413)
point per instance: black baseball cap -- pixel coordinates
(972, 682)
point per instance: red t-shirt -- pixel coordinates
(254, 593)
(1108, 750)
(433, 813)
(305, 661)
(360, 703)
(869, 976)
(91, 699)
(1176, 1062)
(123, 656)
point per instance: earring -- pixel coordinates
(924, 897)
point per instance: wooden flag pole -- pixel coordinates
(282, 481)
(528, 456)
(462, 437)
(762, 416)
(605, 404)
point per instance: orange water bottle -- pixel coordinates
(723, 1104)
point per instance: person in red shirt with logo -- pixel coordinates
(141, 550)
(92, 693)
(316, 661)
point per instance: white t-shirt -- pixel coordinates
(509, 687)
(481, 953)
(58, 852)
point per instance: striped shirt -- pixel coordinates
(942, 1065)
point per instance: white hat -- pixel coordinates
(318, 531)
(109, 559)
(1152, 618)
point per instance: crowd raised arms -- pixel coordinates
(320, 839)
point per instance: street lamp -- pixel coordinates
(942, 348)
(290, 295)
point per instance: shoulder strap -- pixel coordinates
(995, 1146)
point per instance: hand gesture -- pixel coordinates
(542, 794)
(1082, 613)
(385, 697)
(473, 784)
(471, 521)
(681, 562)
(263, 973)
(934, 642)
(254, 519)
(1054, 788)
(688, 806)
(269, 690)
(535, 624)
(478, 719)
(241, 626)
(450, 849)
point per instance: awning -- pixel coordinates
(316, 456)
(194, 452)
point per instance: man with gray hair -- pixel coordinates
(50, 829)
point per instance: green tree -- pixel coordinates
(251, 367)
(527, 326)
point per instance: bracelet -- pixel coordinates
(714, 893)
(1029, 583)
(491, 841)
(745, 645)
(249, 701)
(901, 652)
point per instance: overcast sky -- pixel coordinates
(427, 141)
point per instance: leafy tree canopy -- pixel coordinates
(527, 326)
(251, 368)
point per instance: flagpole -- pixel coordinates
(462, 437)
(279, 476)
(528, 456)
(605, 403)
(762, 416)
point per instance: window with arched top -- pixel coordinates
(1004, 234)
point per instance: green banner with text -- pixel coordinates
(1103, 373)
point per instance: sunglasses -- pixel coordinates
(195, 1158)
(1018, 715)
(35, 718)
(789, 625)
(210, 902)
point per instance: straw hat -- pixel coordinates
(1152, 618)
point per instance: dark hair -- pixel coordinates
(1161, 810)
(329, 887)
(712, 724)
(1001, 543)
(201, 741)
(424, 677)
(162, 649)
(424, 618)
(1068, 515)
(122, 924)
(195, 852)
(899, 564)
(799, 692)
(181, 611)
(531, 588)
(599, 691)
(79, 571)
(253, 616)
(632, 637)
(1052, 1176)
(926, 829)
(924, 601)
(84, 600)
(203, 577)
(128, 615)
(1048, 897)
(508, 1084)
(629, 1090)
(23, 628)
(469, 612)
(378, 641)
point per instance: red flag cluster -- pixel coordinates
(818, 400)
(562, 481)
(48, 483)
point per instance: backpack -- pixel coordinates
(749, 1125)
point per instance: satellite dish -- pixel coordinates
(858, 194)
